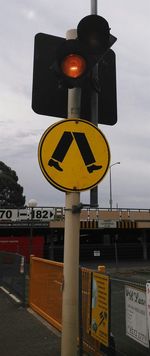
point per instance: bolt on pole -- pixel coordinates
(70, 325)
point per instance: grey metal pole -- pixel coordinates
(70, 316)
(31, 232)
(116, 250)
(110, 184)
(94, 111)
(94, 7)
(110, 201)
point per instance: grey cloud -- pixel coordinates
(21, 129)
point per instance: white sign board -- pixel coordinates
(148, 305)
(8, 214)
(23, 214)
(43, 214)
(96, 253)
(136, 316)
(107, 224)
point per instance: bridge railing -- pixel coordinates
(44, 215)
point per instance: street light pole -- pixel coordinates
(31, 204)
(110, 182)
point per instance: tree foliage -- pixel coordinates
(11, 192)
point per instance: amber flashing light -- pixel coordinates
(73, 65)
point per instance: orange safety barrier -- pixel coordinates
(45, 290)
(45, 297)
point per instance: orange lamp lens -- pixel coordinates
(73, 65)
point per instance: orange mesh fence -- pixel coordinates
(45, 297)
(45, 293)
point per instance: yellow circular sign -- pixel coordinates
(73, 155)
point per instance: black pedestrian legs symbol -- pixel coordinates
(63, 147)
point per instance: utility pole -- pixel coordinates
(71, 248)
(94, 110)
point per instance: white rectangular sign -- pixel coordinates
(136, 316)
(43, 214)
(23, 214)
(148, 305)
(8, 214)
(104, 224)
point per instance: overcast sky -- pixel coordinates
(21, 129)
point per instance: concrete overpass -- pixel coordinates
(106, 218)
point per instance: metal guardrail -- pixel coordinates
(90, 217)
(46, 213)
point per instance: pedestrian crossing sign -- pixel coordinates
(73, 155)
